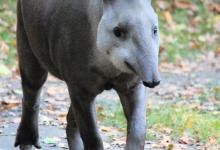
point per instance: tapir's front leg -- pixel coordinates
(134, 105)
(84, 113)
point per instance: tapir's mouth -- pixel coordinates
(130, 67)
(148, 84)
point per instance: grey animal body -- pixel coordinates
(92, 45)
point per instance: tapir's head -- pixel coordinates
(128, 35)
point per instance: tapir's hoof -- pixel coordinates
(28, 147)
(25, 147)
(26, 139)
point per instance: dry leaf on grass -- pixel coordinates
(169, 19)
(184, 5)
(214, 7)
(105, 129)
(218, 50)
(9, 104)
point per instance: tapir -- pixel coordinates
(92, 45)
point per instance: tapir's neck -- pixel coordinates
(95, 10)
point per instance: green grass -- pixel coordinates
(212, 93)
(110, 113)
(7, 31)
(200, 125)
(183, 34)
(180, 119)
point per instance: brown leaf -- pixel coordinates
(215, 7)
(62, 117)
(184, 5)
(186, 139)
(105, 129)
(120, 142)
(182, 141)
(4, 47)
(218, 50)
(162, 49)
(169, 19)
(212, 141)
(10, 104)
(163, 5)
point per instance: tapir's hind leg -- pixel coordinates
(33, 77)
(83, 115)
(72, 131)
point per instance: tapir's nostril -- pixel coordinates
(151, 84)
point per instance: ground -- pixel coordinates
(188, 85)
(183, 112)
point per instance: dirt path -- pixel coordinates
(179, 83)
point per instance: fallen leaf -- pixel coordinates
(218, 50)
(164, 130)
(163, 5)
(105, 129)
(169, 19)
(3, 46)
(183, 141)
(9, 104)
(212, 140)
(185, 5)
(214, 7)
(186, 139)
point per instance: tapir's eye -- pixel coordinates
(155, 30)
(117, 32)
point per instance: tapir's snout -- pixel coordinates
(147, 71)
(150, 75)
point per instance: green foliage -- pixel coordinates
(4, 70)
(212, 93)
(150, 135)
(201, 125)
(191, 31)
(110, 113)
(7, 32)
(179, 119)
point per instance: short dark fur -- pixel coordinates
(55, 36)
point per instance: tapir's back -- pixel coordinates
(59, 31)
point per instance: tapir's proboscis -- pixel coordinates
(92, 45)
